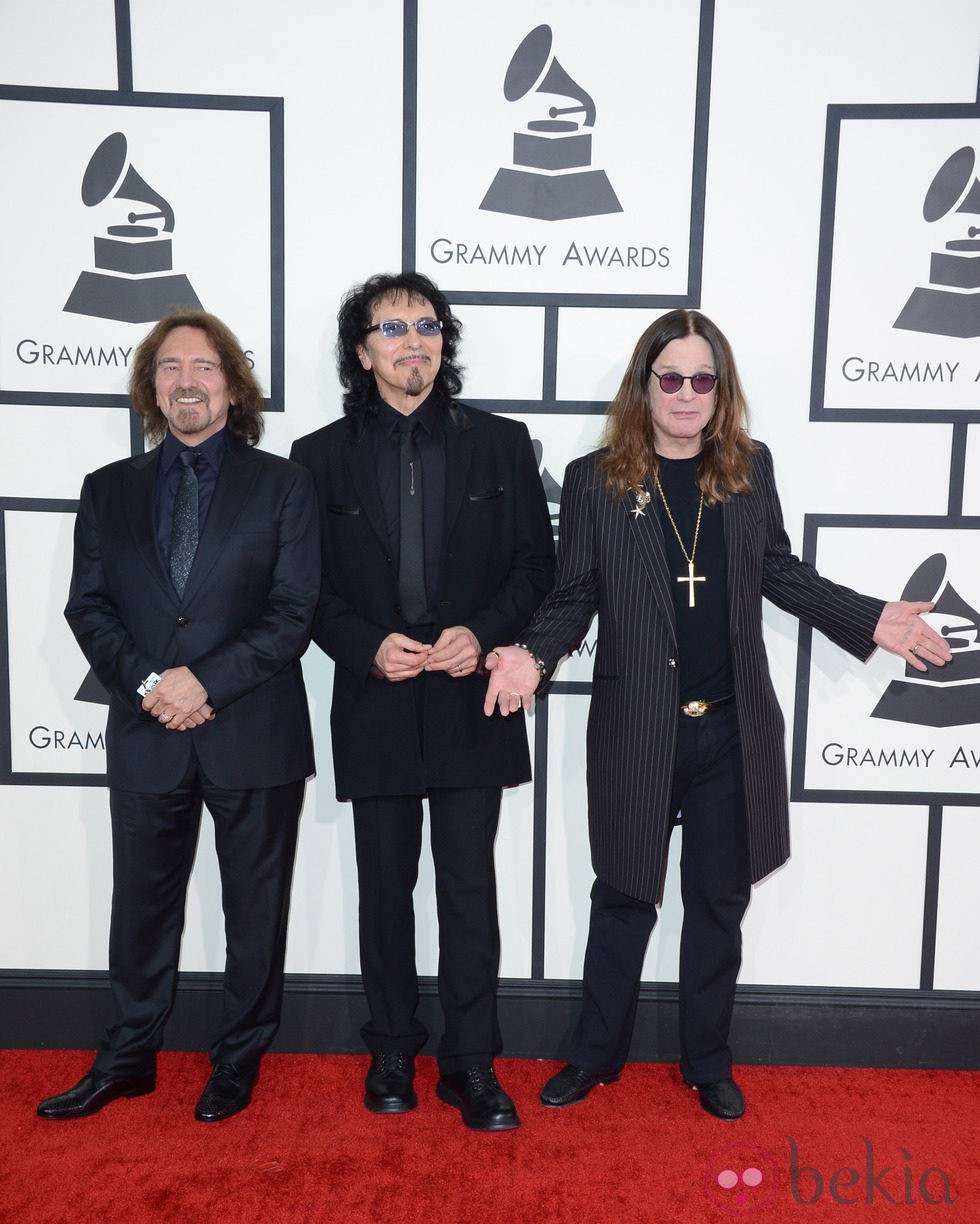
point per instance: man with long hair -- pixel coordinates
(195, 578)
(672, 533)
(436, 541)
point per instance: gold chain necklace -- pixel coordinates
(690, 579)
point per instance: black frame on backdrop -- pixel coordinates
(273, 107)
(550, 301)
(837, 117)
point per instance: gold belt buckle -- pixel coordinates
(695, 709)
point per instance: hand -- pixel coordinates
(178, 695)
(400, 657)
(513, 679)
(456, 651)
(901, 630)
(195, 719)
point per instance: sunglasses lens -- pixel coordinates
(428, 327)
(670, 383)
(394, 327)
(703, 383)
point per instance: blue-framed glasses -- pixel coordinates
(671, 382)
(392, 329)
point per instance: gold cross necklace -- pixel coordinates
(690, 579)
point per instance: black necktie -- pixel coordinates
(183, 540)
(411, 554)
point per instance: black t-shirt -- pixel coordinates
(703, 641)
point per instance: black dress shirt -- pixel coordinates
(431, 442)
(212, 451)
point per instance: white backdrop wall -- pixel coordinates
(857, 905)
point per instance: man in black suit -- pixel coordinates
(195, 578)
(436, 541)
(673, 534)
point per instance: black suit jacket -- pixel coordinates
(241, 626)
(497, 565)
(613, 562)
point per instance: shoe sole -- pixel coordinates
(390, 1107)
(221, 1117)
(492, 1124)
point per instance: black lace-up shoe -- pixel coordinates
(388, 1084)
(479, 1098)
(227, 1092)
(92, 1091)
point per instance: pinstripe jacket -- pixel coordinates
(613, 563)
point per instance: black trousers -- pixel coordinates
(388, 842)
(708, 791)
(154, 839)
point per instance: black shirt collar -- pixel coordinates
(212, 449)
(428, 414)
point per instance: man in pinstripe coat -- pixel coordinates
(673, 533)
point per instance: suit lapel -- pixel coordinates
(459, 456)
(648, 536)
(139, 506)
(235, 480)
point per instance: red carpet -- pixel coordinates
(824, 1144)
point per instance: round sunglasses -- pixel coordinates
(671, 382)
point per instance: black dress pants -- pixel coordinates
(708, 791)
(154, 839)
(388, 842)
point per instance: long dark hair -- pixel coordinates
(631, 457)
(245, 419)
(354, 318)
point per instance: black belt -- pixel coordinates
(697, 709)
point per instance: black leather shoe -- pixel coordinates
(571, 1085)
(227, 1092)
(479, 1098)
(723, 1099)
(92, 1091)
(388, 1083)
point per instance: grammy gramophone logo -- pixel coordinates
(133, 280)
(944, 696)
(950, 304)
(552, 177)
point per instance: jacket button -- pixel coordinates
(181, 622)
(671, 662)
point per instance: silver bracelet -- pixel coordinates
(538, 663)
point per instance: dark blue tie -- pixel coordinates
(183, 540)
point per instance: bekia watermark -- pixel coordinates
(744, 1178)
